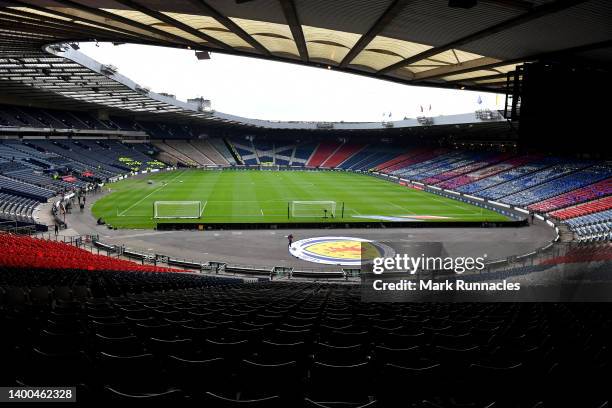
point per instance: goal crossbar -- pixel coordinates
(178, 209)
(312, 209)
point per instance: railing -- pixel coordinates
(215, 267)
(15, 227)
(93, 244)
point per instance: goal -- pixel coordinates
(269, 166)
(178, 209)
(312, 209)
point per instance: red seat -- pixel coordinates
(24, 251)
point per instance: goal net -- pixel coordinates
(177, 209)
(269, 166)
(313, 209)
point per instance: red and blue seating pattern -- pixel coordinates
(579, 210)
(591, 192)
(321, 153)
(341, 154)
(540, 184)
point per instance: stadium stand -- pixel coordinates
(420, 156)
(28, 252)
(534, 178)
(144, 335)
(210, 152)
(366, 158)
(598, 224)
(264, 150)
(559, 185)
(20, 188)
(246, 151)
(591, 192)
(322, 152)
(58, 119)
(423, 169)
(463, 182)
(302, 154)
(218, 145)
(515, 171)
(175, 155)
(398, 159)
(283, 152)
(80, 159)
(453, 174)
(579, 210)
(467, 164)
(341, 154)
(377, 155)
(17, 208)
(189, 151)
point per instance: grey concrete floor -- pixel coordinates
(269, 247)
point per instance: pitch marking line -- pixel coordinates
(148, 195)
(203, 207)
(454, 205)
(401, 208)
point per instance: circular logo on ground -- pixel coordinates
(345, 251)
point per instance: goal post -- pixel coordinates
(269, 166)
(177, 209)
(312, 209)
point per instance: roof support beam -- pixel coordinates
(126, 21)
(464, 68)
(446, 70)
(76, 20)
(381, 23)
(480, 78)
(229, 23)
(293, 20)
(51, 26)
(173, 22)
(535, 13)
(18, 24)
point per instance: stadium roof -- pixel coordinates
(421, 42)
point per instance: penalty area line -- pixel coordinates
(401, 208)
(148, 195)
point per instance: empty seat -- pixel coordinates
(195, 376)
(136, 373)
(223, 402)
(339, 383)
(165, 396)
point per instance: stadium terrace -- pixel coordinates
(161, 251)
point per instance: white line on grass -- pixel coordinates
(451, 203)
(203, 207)
(261, 209)
(147, 196)
(401, 208)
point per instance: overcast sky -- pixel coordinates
(261, 89)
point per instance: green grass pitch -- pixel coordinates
(253, 196)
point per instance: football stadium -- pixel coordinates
(156, 249)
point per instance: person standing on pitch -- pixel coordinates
(290, 239)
